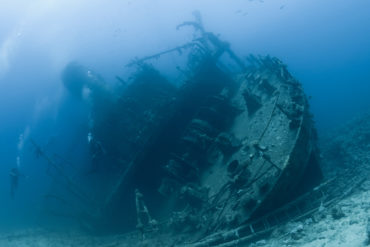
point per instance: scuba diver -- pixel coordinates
(97, 152)
(14, 180)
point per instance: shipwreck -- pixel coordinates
(230, 141)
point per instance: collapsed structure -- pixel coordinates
(233, 142)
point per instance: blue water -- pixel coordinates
(326, 45)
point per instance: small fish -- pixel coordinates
(282, 6)
(120, 80)
(117, 32)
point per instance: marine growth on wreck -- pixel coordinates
(227, 143)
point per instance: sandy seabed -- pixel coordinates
(321, 230)
(327, 230)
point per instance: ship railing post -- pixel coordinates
(251, 228)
